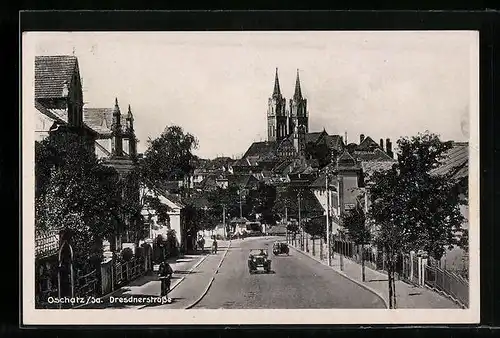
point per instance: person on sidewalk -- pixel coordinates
(165, 274)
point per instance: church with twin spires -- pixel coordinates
(283, 120)
(289, 140)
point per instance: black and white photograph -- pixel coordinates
(264, 177)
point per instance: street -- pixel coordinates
(296, 281)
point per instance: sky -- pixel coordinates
(216, 85)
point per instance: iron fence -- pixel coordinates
(446, 282)
(87, 285)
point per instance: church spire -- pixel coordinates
(277, 91)
(298, 92)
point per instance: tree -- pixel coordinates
(285, 203)
(169, 157)
(354, 222)
(76, 194)
(262, 202)
(414, 209)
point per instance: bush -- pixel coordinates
(127, 254)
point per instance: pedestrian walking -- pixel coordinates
(214, 246)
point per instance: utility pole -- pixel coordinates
(329, 258)
(224, 219)
(241, 210)
(300, 225)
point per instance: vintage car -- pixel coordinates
(258, 260)
(280, 248)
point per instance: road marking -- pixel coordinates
(211, 279)
(343, 274)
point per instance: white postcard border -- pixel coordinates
(32, 316)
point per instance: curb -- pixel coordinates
(172, 287)
(211, 280)
(343, 274)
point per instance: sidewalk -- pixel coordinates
(193, 288)
(408, 296)
(149, 284)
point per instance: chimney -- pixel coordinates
(382, 144)
(361, 138)
(388, 146)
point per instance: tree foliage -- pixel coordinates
(169, 157)
(316, 226)
(76, 193)
(423, 208)
(262, 202)
(354, 222)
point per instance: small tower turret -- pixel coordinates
(116, 132)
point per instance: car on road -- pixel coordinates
(280, 248)
(258, 260)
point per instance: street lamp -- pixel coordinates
(300, 223)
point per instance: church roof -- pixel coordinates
(260, 148)
(101, 119)
(314, 137)
(53, 74)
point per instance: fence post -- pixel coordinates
(424, 263)
(412, 254)
(420, 271)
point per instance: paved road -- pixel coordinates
(297, 281)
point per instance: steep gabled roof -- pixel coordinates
(346, 159)
(53, 74)
(335, 142)
(368, 144)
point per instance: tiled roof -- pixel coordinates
(375, 155)
(320, 182)
(456, 161)
(346, 159)
(314, 137)
(53, 74)
(260, 149)
(369, 167)
(101, 119)
(242, 180)
(335, 142)
(367, 144)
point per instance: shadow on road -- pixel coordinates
(185, 272)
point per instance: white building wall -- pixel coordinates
(42, 125)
